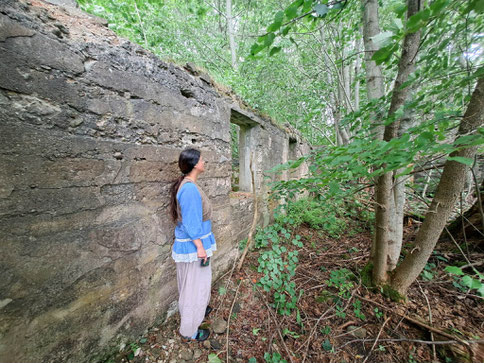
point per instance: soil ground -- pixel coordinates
(317, 333)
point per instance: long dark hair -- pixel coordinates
(187, 161)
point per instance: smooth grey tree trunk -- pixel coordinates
(395, 237)
(447, 194)
(386, 208)
(230, 30)
(357, 75)
(374, 76)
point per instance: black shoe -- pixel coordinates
(202, 335)
(208, 310)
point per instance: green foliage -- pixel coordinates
(342, 280)
(327, 346)
(329, 217)
(278, 264)
(465, 282)
(357, 310)
(274, 358)
(326, 330)
(378, 313)
(287, 332)
(428, 272)
(133, 348)
(213, 358)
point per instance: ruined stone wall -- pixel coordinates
(91, 127)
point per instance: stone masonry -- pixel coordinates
(91, 126)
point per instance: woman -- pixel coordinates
(194, 244)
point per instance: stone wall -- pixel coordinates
(91, 127)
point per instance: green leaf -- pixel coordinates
(213, 358)
(307, 5)
(476, 284)
(337, 6)
(383, 54)
(382, 39)
(334, 187)
(462, 160)
(274, 50)
(454, 270)
(143, 340)
(400, 9)
(286, 30)
(279, 17)
(252, 360)
(477, 6)
(481, 290)
(417, 21)
(467, 281)
(437, 6)
(269, 39)
(291, 10)
(296, 163)
(327, 345)
(256, 48)
(321, 9)
(277, 22)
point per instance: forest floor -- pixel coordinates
(364, 327)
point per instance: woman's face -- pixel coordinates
(200, 165)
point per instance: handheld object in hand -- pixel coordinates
(205, 262)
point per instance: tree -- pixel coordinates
(448, 191)
(230, 32)
(386, 203)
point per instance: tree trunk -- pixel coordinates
(230, 29)
(448, 191)
(357, 75)
(382, 220)
(395, 237)
(473, 219)
(374, 76)
(386, 209)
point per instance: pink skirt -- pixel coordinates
(194, 284)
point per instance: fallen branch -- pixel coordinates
(434, 352)
(390, 340)
(228, 321)
(419, 323)
(376, 339)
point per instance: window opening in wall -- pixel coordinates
(242, 146)
(234, 144)
(292, 155)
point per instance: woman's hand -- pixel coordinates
(201, 253)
